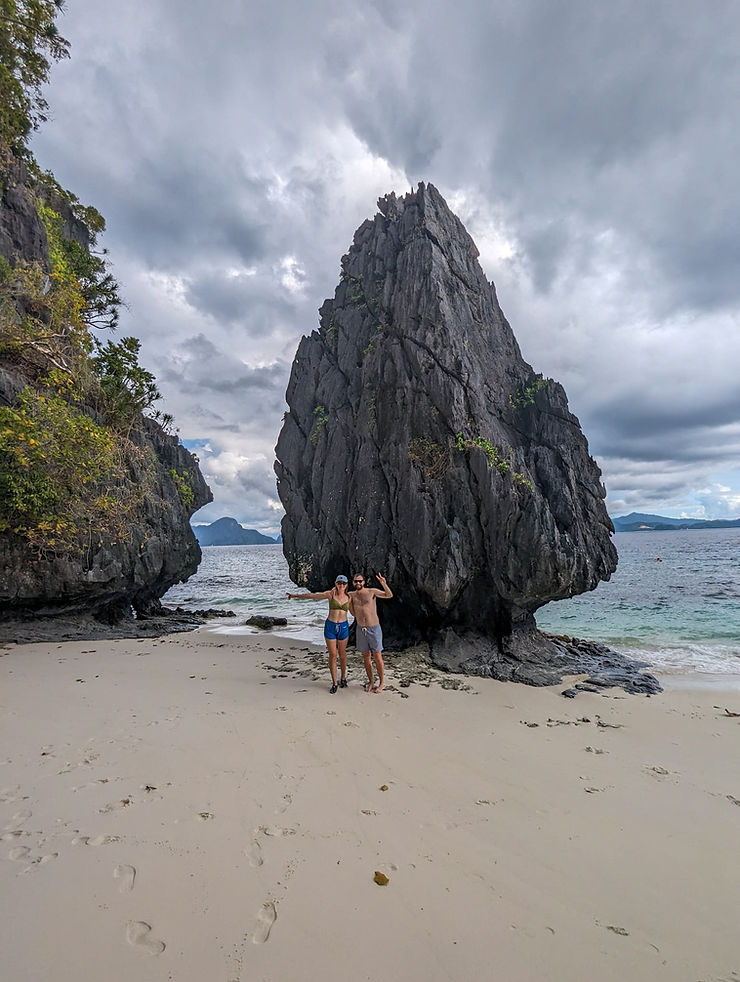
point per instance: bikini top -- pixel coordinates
(335, 605)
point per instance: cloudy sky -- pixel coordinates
(591, 149)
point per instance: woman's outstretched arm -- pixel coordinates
(309, 596)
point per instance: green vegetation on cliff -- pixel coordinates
(72, 402)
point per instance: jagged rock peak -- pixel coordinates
(425, 206)
(419, 443)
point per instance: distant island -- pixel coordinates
(636, 522)
(228, 532)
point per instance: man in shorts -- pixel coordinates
(369, 634)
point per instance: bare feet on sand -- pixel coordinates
(369, 687)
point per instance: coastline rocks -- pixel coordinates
(420, 444)
(265, 623)
(212, 612)
(83, 627)
(537, 658)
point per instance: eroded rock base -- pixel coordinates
(536, 658)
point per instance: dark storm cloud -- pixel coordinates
(617, 116)
(260, 478)
(590, 149)
(640, 417)
(221, 394)
(704, 447)
(240, 297)
(173, 210)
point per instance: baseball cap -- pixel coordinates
(341, 578)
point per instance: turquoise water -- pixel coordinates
(674, 599)
(681, 613)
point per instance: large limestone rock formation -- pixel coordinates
(420, 444)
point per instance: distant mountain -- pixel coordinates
(637, 522)
(228, 532)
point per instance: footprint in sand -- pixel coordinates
(657, 772)
(21, 854)
(137, 934)
(18, 819)
(98, 840)
(275, 831)
(126, 876)
(265, 919)
(254, 854)
(90, 784)
(113, 806)
(40, 861)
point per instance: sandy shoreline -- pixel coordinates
(173, 809)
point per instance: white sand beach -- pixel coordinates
(173, 809)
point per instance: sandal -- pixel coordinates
(333, 689)
(343, 683)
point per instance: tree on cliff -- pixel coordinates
(94, 497)
(28, 40)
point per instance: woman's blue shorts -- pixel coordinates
(336, 630)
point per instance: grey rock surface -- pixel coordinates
(83, 626)
(111, 575)
(421, 445)
(265, 622)
(22, 233)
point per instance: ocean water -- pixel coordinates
(249, 580)
(674, 600)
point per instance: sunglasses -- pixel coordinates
(358, 581)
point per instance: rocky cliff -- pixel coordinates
(420, 444)
(95, 497)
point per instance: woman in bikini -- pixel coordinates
(336, 627)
